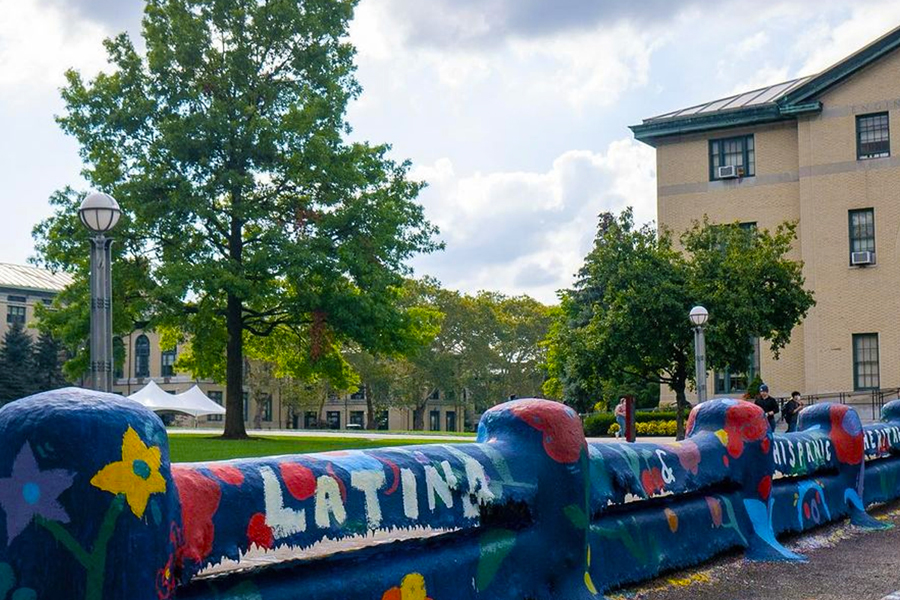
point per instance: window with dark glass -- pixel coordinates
(728, 382)
(15, 314)
(168, 363)
(267, 408)
(434, 420)
(215, 396)
(450, 417)
(19, 299)
(142, 356)
(873, 136)
(357, 417)
(359, 394)
(333, 418)
(862, 230)
(381, 420)
(738, 151)
(310, 418)
(865, 361)
(435, 395)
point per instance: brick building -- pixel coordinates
(816, 150)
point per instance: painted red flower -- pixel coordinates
(200, 498)
(258, 532)
(846, 433)
(227, 473)
(563, 434)
(744, 422)
(299, 480)
(652, 481)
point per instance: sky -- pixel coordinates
(515, 112)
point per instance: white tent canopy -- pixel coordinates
(192, 402)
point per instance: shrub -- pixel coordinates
(649, 428)
(598, 424)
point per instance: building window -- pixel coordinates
(434, 420)
(357, 417)
(168, 363)
(450, 418)
(862, 231)
(246, 406)
(435, 395)
(267, 408)
(873, 136)
(333, 418)
(737, 151)
(15, 314)
(215, 396)
(310, 419)
(359, 394)
(382, 420)
(19, 299)
(142, 356)
(865, 361)
(728, 382)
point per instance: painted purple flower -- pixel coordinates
(30, 492)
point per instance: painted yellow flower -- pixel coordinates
(136, 475)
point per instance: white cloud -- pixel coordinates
(528, 232)
(824, 44)
(39, 41)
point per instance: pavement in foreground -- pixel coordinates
(845, 563)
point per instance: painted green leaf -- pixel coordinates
(577, 516)
(495, 544)
(7, 579)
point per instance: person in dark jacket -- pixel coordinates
(768, 404)
(792, 410)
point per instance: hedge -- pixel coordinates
(650, 428)
(597, 424)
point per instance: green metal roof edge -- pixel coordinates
(834, 75)
(767, 113)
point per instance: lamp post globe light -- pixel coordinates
(99, 213)
(698, 316)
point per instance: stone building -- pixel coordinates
(817, 150)
(21, 288)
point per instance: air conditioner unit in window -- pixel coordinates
(862, 258)
(727, 172)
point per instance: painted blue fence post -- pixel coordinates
(85, 488)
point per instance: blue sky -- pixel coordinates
(514, 111)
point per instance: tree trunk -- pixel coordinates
(419, 417)
(234, 370)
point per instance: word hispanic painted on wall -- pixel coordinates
(799, 455)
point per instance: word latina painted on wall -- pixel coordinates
(91, 508)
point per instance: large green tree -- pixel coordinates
(249, 217)
(626, 317)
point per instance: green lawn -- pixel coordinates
(196, 448)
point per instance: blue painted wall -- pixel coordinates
(90, 507)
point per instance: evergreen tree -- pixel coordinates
(16, 365)
(48, 373)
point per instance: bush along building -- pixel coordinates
(817, 150)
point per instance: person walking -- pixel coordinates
(792, 410)
(620, 417)
(768, 404)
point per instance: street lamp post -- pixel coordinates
(100, 213)
(699, 316)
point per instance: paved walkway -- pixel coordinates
(845, 563)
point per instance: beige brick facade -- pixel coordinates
(807, 170)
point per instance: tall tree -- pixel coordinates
(16, 365)
(48, 355)
(257, 222)
(626, 317)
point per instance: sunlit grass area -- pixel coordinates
(195, 448)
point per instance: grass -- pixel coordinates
(200, 448)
